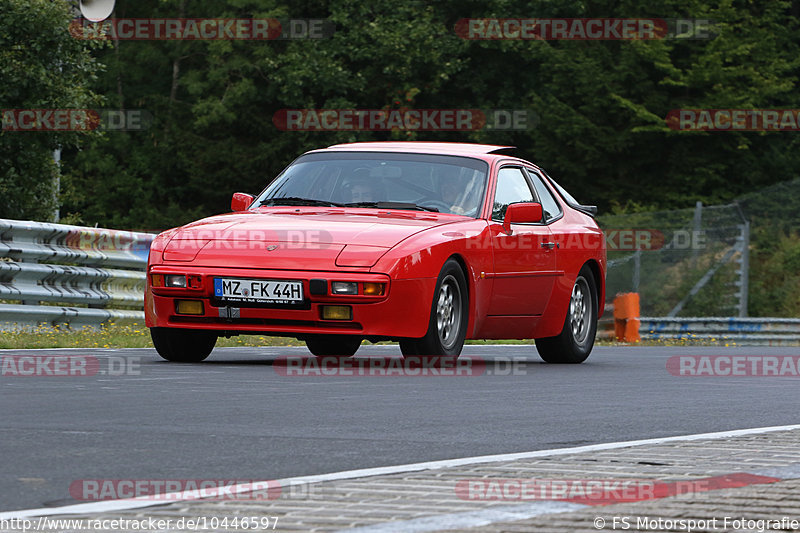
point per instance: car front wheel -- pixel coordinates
(183, 345)
(333, 345)
(574, 344)
(447, 327)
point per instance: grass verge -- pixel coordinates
(136, 335)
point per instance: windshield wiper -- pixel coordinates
(392, 205)
(296, 200)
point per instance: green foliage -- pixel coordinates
(775, 278)
(41, 67)
(600, 105)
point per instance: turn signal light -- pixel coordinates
(189, 307)
(157, 280)
(337, 312)
(374, 289)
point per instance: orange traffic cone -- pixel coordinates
(626, 317)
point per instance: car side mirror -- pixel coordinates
(241, 201)
(522, 213)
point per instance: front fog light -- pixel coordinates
(189, 307)
(344, 287)
(175, 281)
(337, 312)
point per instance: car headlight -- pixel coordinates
(344, 287)
(171, 280)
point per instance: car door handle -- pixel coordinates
(550, 245)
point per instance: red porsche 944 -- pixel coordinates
(427, 244)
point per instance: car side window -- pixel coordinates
(512, 187)
(550, 206)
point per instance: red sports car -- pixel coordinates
(427, 244)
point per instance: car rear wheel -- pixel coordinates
(183, 345)
(447, 326)
(574, 344)
(336, 345)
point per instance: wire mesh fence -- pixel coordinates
(696, 261)
(689, 262)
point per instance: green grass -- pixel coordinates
(136, 335)
(132, 335)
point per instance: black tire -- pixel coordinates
(183, 345)
(574, 344)
(409, 346)
(447, 327)
(336, 345)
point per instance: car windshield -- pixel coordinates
(447, 184)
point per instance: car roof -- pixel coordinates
(422, 147)
(485, 152)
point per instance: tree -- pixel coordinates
(41, 67)
(601, 105)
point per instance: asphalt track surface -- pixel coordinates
(238, 416)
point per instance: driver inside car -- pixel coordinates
(363, 188)
(453, 190)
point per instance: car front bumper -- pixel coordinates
(403, 310)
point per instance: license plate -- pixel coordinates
(258, 290)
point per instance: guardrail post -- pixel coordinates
(626, 317)
(26, 301)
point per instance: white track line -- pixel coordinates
(148, 501)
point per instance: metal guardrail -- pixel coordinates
(63, 266)
(712, 330)
(769, 331)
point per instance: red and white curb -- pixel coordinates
(506, 513)
(493, 514)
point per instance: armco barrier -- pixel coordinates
(97, 270)
(711, 330)
(768, 331)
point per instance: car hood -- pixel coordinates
(299, 237)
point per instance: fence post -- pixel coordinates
(697, 224)
(744, 269)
